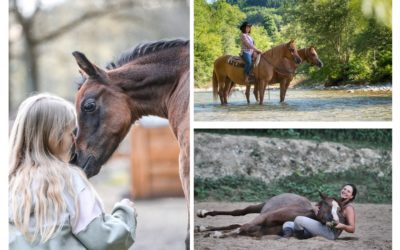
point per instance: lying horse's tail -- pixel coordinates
(215, 85)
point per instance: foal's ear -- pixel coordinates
(86, 67)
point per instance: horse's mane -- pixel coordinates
(271, 51)
(145, 49)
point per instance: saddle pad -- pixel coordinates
(236, 61)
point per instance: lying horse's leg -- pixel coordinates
(238, 212)
(210, 228)
(271, 223)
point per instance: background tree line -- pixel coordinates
(43, 34)
(352, 38)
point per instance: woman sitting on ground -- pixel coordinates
(303, 227)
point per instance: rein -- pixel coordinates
(278, 69)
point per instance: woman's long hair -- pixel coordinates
(37, 177)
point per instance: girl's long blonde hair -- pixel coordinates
(37, 177)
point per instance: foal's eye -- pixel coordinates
(291, 50)
(89, 106)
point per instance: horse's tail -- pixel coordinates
(215, 85)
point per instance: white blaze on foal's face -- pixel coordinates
(335, 208)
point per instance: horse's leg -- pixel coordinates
(210, 228)
(261, 91)
(238, 212)
(288, 80)
(255, 91)
(228, 86)
(282, 89)
(226, 89)
(248, 93)
(271, 222)
(284, 85)
(221, 88)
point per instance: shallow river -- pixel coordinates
(300, 105)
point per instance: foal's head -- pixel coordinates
(290, 52)
(104, 117)
(311, 57)
(330, 209)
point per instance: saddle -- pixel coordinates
(237, 61)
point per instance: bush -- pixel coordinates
(372, 187)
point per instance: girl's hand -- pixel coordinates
(128, 202)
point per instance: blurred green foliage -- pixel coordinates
(372, 187)
(354, 43)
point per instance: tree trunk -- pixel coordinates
(31, 63)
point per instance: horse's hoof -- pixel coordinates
(199, 229)
(201, 213)
(217, 235)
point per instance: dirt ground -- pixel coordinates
(373, 231)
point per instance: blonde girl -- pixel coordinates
(52, 205)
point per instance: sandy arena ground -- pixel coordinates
(373, 231)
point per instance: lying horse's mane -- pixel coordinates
(145, 49)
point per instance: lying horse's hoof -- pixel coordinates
(201, 213)
(199, 229)
(217, 235)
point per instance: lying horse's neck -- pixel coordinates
(152, 82)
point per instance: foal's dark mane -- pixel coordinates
(139, 51)
(145, 49)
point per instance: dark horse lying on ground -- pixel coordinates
(152, 79)
(273, 213)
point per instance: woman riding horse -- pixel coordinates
(247, 49)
